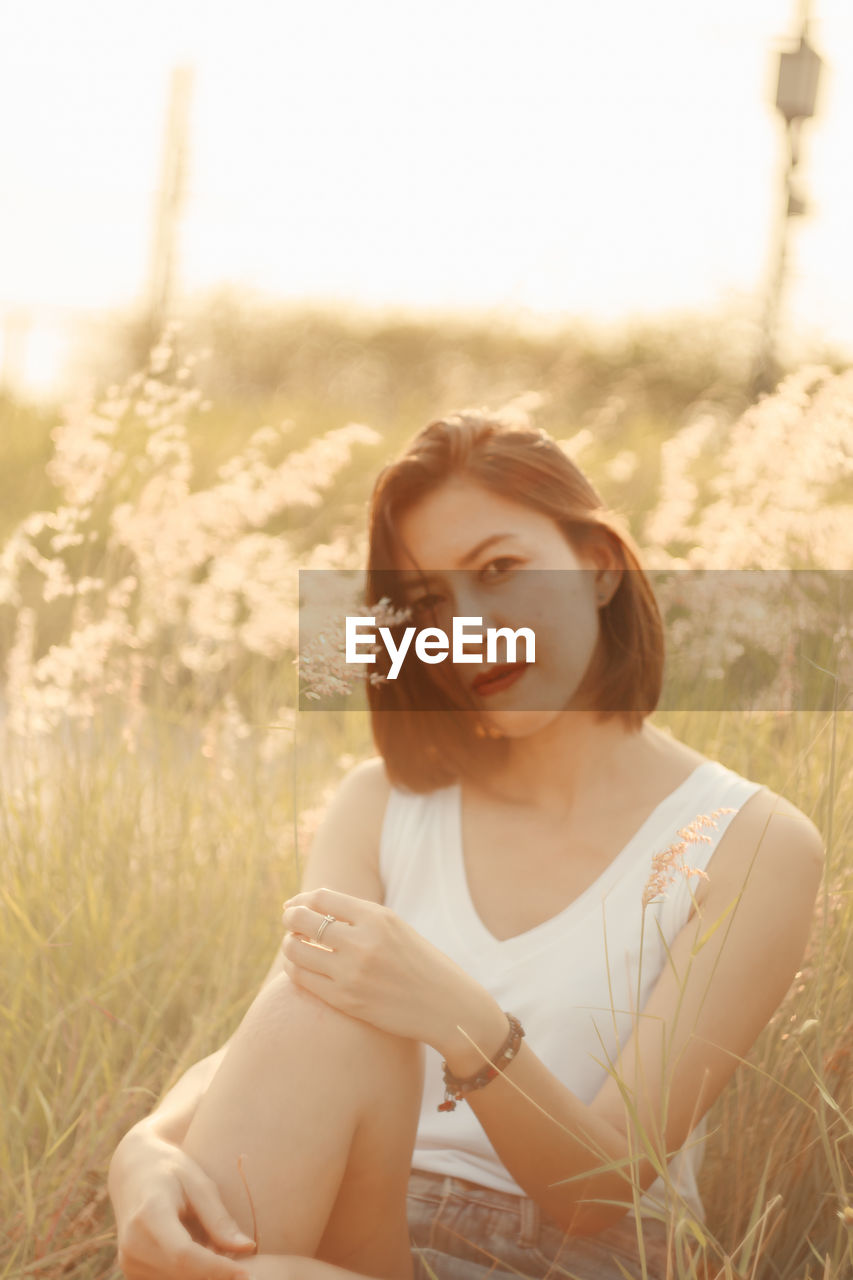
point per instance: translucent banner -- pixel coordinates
(504, 638)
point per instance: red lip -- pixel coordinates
(498, 678)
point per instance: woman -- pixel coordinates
(445, 1073)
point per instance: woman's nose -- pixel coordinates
(493, 618)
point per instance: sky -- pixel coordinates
(597, 162)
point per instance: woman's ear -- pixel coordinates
(610, 565)
(601, 551)
(606, 585)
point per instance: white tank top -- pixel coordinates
(554, 977)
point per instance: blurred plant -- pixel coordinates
(322, 658)
(756, 522)
(139, 585)
(779, 488)
(669, 864)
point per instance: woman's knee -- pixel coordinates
(285, 1018)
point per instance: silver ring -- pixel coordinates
(324, 924)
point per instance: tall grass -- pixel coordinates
(140, 914)
(157, 787)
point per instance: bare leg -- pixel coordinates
(271, 1266)
(319, 1111)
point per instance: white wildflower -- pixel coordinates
(622, 467)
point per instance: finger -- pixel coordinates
(193, 1261)
(307, 921)
(343, 906)
(307, 956)
(203, 1197)
(315, 983)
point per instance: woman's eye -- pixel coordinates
(497, 568)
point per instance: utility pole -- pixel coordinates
(170, 201)
(796, 96)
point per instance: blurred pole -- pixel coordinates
(170, 200)
(796, 96)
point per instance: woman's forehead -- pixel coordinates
(447, 526)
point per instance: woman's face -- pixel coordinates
(485, 556)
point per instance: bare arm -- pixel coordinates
(345, 850)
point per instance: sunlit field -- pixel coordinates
(160, 787)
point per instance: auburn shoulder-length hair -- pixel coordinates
(427, 749)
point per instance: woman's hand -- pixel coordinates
(372, 965)
(164, 1205)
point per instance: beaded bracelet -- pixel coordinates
(455, 1088)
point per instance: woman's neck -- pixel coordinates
(575, 755)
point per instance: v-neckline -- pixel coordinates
(461, 891)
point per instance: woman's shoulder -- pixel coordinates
(365, 788)
(781, 824)
(770, 846)
(764, 818)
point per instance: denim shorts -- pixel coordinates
(463, 1231)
